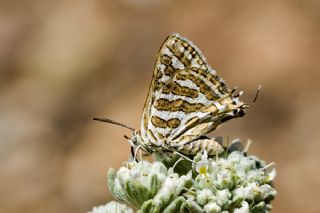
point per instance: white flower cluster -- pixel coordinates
(146, 184)
(235, 182)
(230, 183)
(112, 207)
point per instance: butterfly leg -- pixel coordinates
(133, 154)
(136, 153)
(182, 157)
(212, 147)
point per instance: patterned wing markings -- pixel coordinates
(204, 82)
(174, 106)
(171, 123)
(163, 104)
(177, 89)
(167, 63)
(186, 98)
(205, 109)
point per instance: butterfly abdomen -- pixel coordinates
(210, 145)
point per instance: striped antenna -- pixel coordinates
(257, 93)
(106, 120)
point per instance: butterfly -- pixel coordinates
(186, 100)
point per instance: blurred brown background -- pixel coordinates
(63, 62)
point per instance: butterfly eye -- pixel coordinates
(241, 113)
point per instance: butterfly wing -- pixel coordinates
(186, 98)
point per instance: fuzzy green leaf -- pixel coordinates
(175, 205)
(111, 178)
(155, 185)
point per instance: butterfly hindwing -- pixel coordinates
(185, 96)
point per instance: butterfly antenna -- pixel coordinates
(234, 89)
(106, 120)
(257, 93)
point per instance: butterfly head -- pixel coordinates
(136, 141)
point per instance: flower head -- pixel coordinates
(231, 182)
(112, 207)
(203, 165)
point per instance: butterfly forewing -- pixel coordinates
(186, 98)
